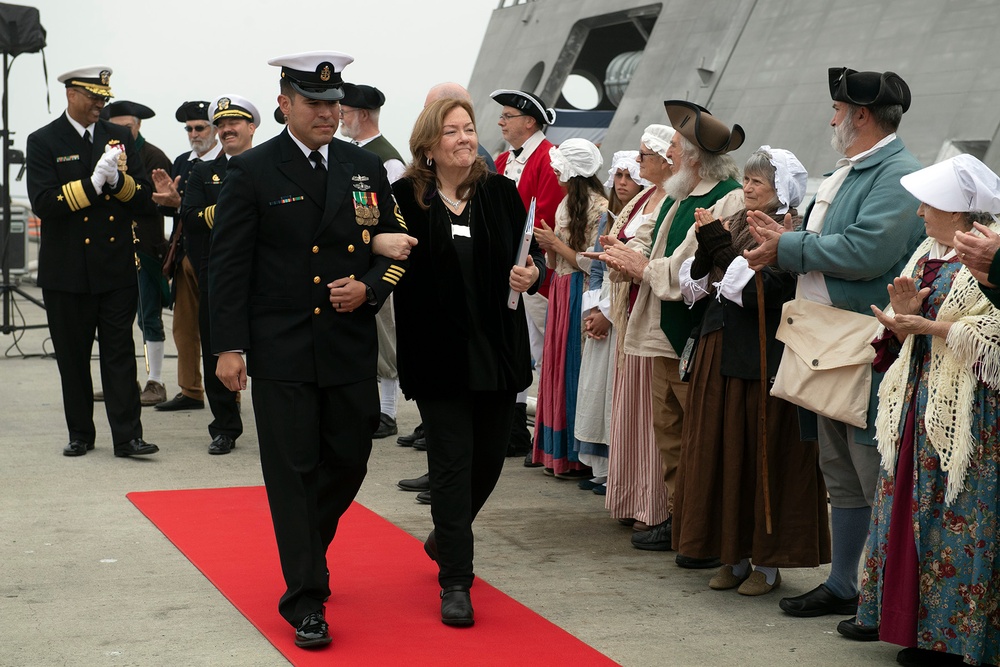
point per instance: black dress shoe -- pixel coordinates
(136, 447)
(859, 633)
(422, 483)
(657, 538)
(431, 547)
(420, 444)
(921, 657)
(312, 631)
(386, 426)
(697, 563)
(77, 448)
(408, 440)
(456, 606)
(180, 402)
(221, 444)
(424, 497)
(529, 460)
(820, 601)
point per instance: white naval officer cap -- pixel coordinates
(315, 74)
(95, 79)
(233, 106)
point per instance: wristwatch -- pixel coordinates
(370, 296)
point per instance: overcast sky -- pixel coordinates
(165, 53)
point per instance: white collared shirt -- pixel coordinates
(515, 163)
(80, 129)
(209, 155)
(324, 150)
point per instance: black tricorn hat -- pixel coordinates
(195, 110)
(701, 128)
(361, 96)
(866, 89)
(531, 105)
(125, 108)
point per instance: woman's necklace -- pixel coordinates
(451, 202)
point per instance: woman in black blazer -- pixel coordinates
(462, 353)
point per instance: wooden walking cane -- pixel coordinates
(762, 437)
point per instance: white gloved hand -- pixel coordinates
(108, 164)
(99, 177)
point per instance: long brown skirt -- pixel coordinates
(719, 501)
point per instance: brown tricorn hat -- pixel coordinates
(701, 128)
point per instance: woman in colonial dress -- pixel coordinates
(931, 581)
(721, 506)
(575, 162)
(635, 494)
(593, 398)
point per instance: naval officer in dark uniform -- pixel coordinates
(86, 182)
(236, 119)
(294, 283)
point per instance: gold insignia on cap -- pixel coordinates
(105, 77)
(324, 74)
(223, 103)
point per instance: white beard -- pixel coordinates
(680, 185)
(844, 135)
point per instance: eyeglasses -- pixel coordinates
(507, 116)
(643, 156)
(195, 128)
(344, 112)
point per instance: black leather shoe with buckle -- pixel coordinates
(221, 444)
(456, 606)
(820, 601)
(312, 631)
(77, 448)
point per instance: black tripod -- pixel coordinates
(20, 32)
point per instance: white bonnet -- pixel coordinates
(625, 160)
(575, 157)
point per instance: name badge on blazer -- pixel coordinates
(366, 208)
(290, 199)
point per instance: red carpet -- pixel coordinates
(384, 609)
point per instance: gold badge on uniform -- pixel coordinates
(365, 236)
(366, 208)
(324, 74)
(122, 158)
(215, 178)
(105, 77)
(223, 103)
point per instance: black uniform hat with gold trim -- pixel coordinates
(95, 79)
(233, 106)
(125, 108)
(195, 110)
(360, 96)
(315, 74)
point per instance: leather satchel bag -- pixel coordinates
(827, 363)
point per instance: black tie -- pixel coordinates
(317, 159)
(86, 137)
(517, 151)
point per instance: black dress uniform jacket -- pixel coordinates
(86, 237)
(278, 240)
(204, 184)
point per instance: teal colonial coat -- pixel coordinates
(869, 232)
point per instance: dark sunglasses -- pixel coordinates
(195, 128)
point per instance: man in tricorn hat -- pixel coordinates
(704, 176)
(86, 182)
(858, 233)
(154, 291)
(182, 262)
(294, 283)
(236, 119)
(359, 115)
(522, 121)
